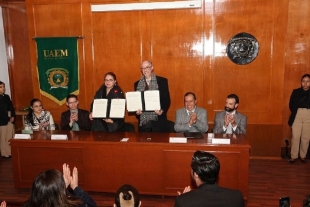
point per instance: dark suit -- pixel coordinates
(241, 122)
(118, 123)
(295, 103)
(182, 120)
(5, 106)
(83, 120)
(210, 196)
(161, 125)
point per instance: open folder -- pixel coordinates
(144, 100)
(104, 108)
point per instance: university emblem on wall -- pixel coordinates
(57, 77)
(242, 48)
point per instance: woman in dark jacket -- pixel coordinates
(300, 119)
(7, 116)
(109, 90)
(50, 189)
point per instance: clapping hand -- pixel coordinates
(70, 180)
(186, 189)
(3, 204)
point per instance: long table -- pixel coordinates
(147, 160)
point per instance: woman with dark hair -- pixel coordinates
(300, 120)
(38, 118)
(109, 90)
(7, 116)
(127, 196)
(49, 190)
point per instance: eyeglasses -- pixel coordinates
(73, 102)
(145, 68)
(108, 80)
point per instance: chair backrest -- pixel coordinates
(170, 126)
(129, 127)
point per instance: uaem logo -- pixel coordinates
(57, 77)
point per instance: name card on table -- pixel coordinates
(22, 136)
(59, 137)
(177, 140)
(124, 139)
(220, 141)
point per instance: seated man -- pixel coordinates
(191, 118)
(230, 121)
(75, 119)
(127, 196)
(205, 171)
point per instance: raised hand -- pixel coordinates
(66, 174)
(75, 180)
(186, 189)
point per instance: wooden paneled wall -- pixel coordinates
(187, 46)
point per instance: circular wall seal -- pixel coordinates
(242, 48)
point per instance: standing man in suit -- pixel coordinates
(75, 119)
(153, 121)
(230, 121)
(205, 171)
(191, 118)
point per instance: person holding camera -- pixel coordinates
(75, 119)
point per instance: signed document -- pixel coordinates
(152, 100)
(100, 108)
(117, 109)
(134, 101)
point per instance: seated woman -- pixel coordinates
(38, 118)
(127, 196)
(109, 90)
(49, 189)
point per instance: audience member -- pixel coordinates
(205, 171)
(49, 189)
(109, 90)
(38, 118)
(127, 196)
(75, 119)
(7, 117)
(300, 119)
(153, 121)
(230, 121)
(191, 118)
(306, 202)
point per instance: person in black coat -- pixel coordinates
(109, 90)
(300, 119)
(154, 121)
(205, 170)
(7, 117)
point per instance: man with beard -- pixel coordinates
(230, 121)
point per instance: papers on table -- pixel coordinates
(22, 136)
(59, 137)
(116, 110)
(124, 139)
(145, 100)
(177, 140)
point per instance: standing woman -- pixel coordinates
(109, 90)
(153, 121)
(300, 119)
(7, 116)
(38, 118)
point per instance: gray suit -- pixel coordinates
(219, 122)
(182, 120)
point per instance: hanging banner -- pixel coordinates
(58, 69)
